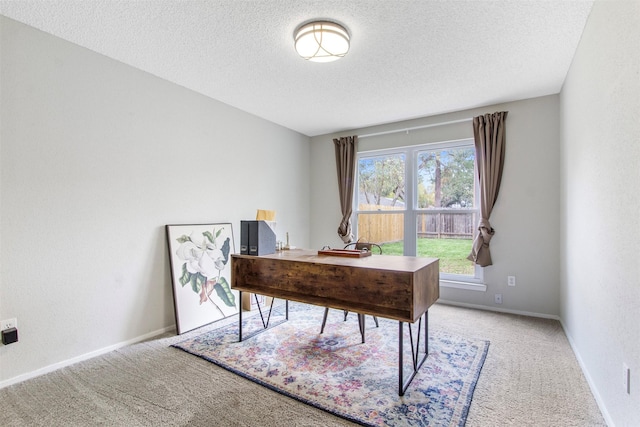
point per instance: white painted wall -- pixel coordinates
(95, 158)
(600, 139)
(526, 215)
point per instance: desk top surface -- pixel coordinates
(377, 262)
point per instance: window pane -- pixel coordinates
(446, 178)
(381, 183)
(386, 229)
(448, 236)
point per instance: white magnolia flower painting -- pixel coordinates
(201, 271)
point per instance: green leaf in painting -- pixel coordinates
(218, 232)
(194, 283)
(197, 280)
(186, 276)
(224, 292)
(226, 248)
(201, 281)
(183, 239)
(209, 236)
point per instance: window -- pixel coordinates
(421, 201)
(381, 199)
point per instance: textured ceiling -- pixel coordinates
(408, 58)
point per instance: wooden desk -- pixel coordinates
(395, 287)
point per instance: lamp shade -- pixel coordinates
(321, 41)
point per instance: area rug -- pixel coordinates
(335, 372)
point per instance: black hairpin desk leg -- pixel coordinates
(265, 324)
(415, 352)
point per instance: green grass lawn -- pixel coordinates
(452, 253)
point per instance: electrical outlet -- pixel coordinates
(9, 323)
(498, 298)
(511, 280)
(627, 378)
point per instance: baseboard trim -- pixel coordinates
(585, 372)
(499, 310)
(90, 355)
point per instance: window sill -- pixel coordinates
(479, 287)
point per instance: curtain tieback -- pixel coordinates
(486, 231)
(344, 231)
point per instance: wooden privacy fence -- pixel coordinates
(447, 225)
(389, 227)
(381, 228)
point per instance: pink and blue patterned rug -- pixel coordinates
(335, 372)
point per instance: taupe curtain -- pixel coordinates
(489, 135)
(346, 149)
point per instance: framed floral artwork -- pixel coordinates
(200, 256)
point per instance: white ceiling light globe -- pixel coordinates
(321, 41)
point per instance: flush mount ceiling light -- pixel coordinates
(321, 41)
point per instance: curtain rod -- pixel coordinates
(416, 127)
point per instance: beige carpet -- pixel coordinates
(530, 378)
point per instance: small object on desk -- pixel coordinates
(352, 253)
(288, 246)
(266, 215)
(257, 238)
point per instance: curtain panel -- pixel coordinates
(346, 149)
(489, 136)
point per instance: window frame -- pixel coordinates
(411, 210)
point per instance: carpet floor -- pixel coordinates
(530, 378)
